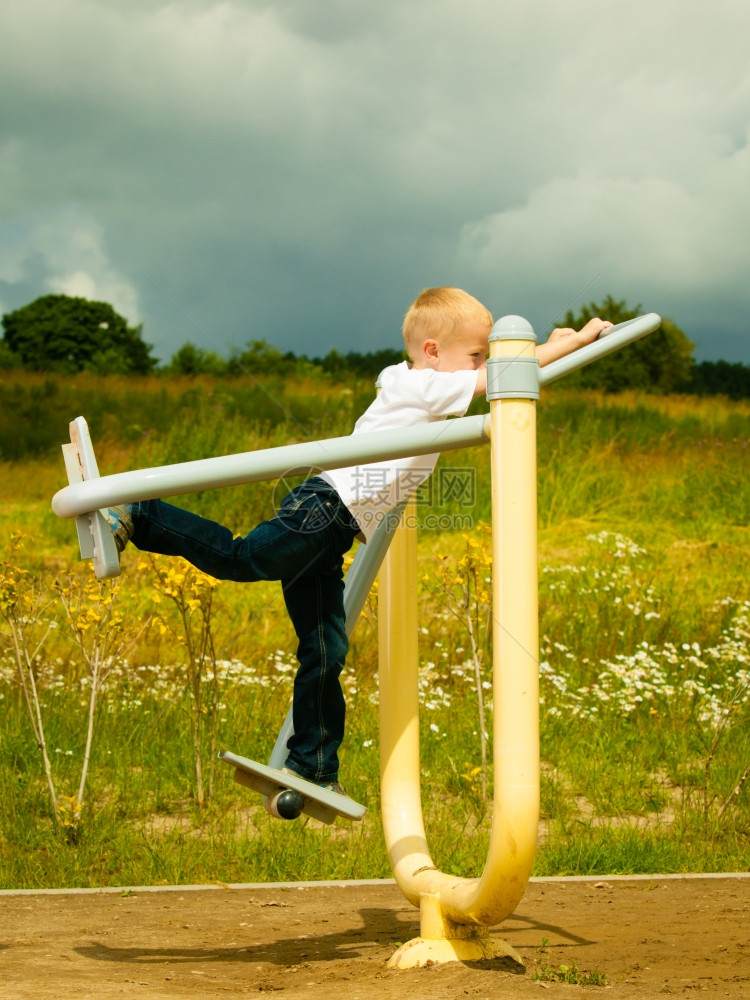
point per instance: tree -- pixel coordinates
(368, 365)
(261, 358)
(8, 359)
(192, 360)
(61, 333)
(727, 378)
(660, 362)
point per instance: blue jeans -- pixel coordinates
(303, 545)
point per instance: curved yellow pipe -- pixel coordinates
(487, 900)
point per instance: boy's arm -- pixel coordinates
(480, 389)
(565, 341)
(561, 342)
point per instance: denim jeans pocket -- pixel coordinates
(307, 514)
(313, 506)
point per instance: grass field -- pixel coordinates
(645, 624)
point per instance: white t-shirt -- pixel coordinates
(407, 396)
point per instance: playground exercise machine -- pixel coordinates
(455, 913)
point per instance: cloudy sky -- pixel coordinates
(297, 170)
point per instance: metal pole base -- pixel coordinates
(443, 940)
(421, 951)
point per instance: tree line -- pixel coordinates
(65, 334)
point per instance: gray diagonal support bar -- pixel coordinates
(359, 581)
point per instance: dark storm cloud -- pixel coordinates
(297, 172)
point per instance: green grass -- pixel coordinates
(643, 511)
(570, 974)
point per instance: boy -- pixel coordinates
(446, 334)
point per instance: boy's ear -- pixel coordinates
(431, 350)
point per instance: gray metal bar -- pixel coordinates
(334, 453)
(255, 466)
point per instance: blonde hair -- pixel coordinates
(437, 313)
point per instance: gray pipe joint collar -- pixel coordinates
(512, 328)
(512, 378)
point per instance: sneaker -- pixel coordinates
(121, 524)
(330, 786)
(335, 786)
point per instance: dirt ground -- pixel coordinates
(651, 937)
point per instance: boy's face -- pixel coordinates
(467, 350)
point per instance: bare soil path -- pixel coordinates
(652, 937)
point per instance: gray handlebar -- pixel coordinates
(609, 341)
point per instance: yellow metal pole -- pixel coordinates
(399, 707)
(515, 628)
(456, 912)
